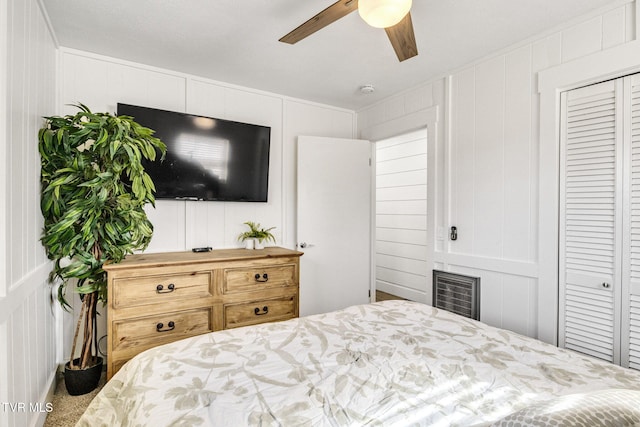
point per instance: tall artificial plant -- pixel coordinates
(94, 188)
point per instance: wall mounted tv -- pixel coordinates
(207, 158)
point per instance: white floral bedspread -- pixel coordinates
(393, 363)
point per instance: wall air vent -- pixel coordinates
(457, 293)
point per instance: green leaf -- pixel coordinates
(113, 148)
(90, 215)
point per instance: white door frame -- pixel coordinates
(437, 179)
(607, 64)
(415, 294)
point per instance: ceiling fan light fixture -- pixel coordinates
(383, 13)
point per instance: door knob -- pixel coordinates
(303, 245)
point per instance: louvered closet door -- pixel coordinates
(590, 228)
(631, 273)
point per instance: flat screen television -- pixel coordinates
(207, 158)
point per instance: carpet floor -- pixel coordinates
(68, 409)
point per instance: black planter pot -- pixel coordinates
(82, 381)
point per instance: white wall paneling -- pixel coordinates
(488, 117)
(614, 28)
(180, 225)
(496, 174)
(406, 159)
(206, 99)
(401, 215)
(101, 82)
(4, 176)
(200, 230)
(508, 299)
(461, 162)
(489, 197)
(166, 217)
(27, 324)
(306, 118)
(519, 158)
(490, 162)
(582, 39)
(489, 159)
(6, 391)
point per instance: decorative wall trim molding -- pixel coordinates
(603, 65)
(45, 16)
(497, 265)
(192, 77)
(404, 124)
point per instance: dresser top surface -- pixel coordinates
(189, 257)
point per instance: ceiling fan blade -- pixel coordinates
(331, 14)
(403, 39)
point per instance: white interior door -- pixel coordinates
(334, 223)
(630, 352)
(590, 220)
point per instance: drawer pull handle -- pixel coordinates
(170, 327)
(265, 310)
(263, 278)
(160, 289)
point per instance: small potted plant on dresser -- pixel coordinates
(256, 237)
(93, 191)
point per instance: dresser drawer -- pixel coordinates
(142, 333)
(165, 288)
(256, 278)
(195, 293)
(236, 315)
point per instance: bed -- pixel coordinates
(393, 363)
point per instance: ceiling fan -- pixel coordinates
(392, 15)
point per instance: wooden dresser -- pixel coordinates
(158, 298)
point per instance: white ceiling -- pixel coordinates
(236, 41)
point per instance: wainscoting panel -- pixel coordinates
(29, 372)
(507, 300)
(27, 324)
(488, 184)
(182, 225)
(101, 82)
